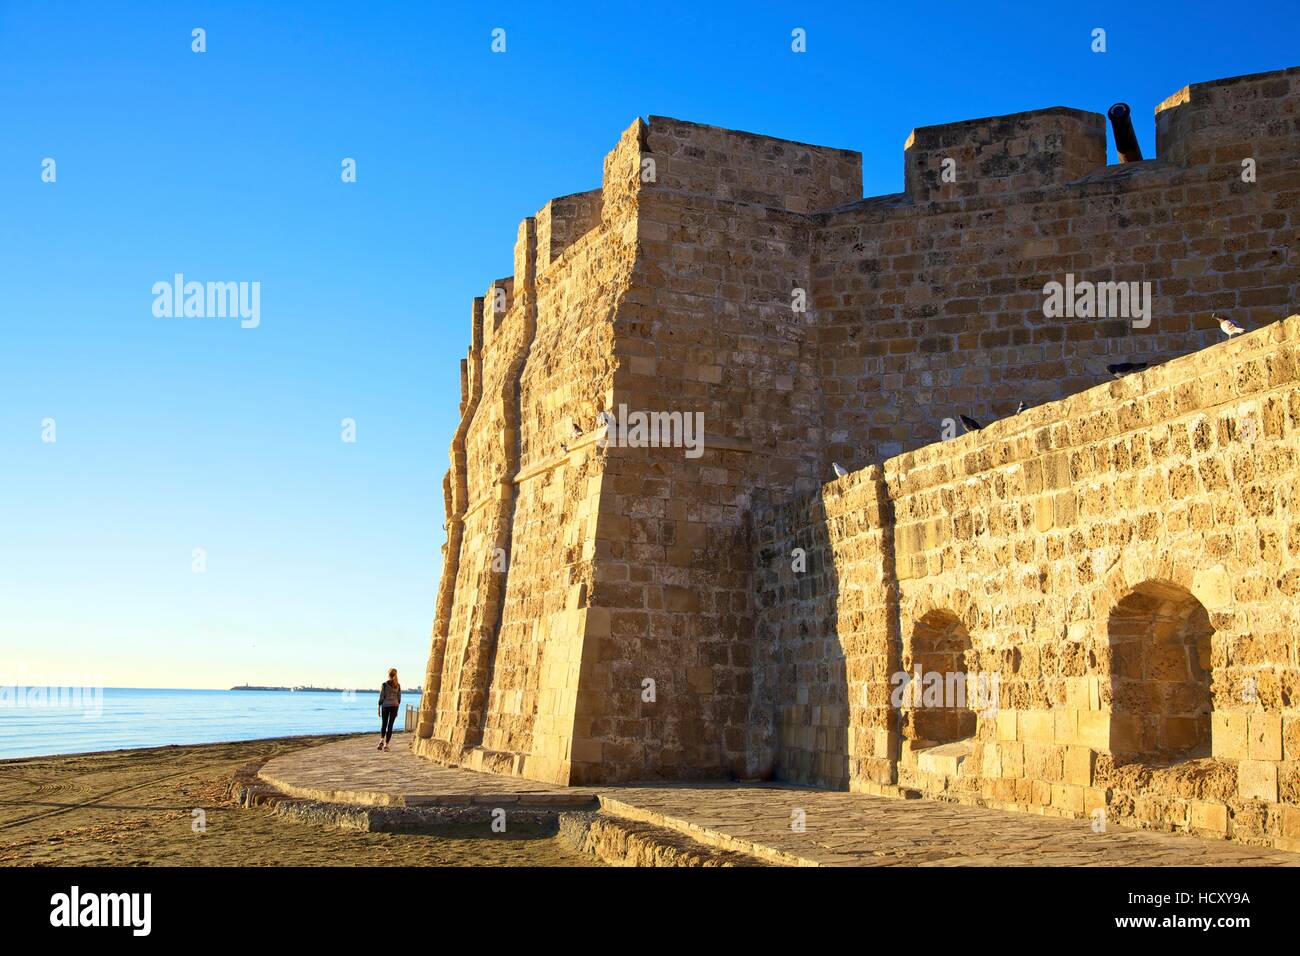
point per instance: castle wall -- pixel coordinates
(1174, 490)
(507, 644)
(601, 616)
(930, 304)
(484, 521)
(549, 579)
(705, 328)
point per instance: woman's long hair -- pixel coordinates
(392, 678)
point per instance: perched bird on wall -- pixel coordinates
(1230, 328)
(1021, 407)
(1120, 369)
(840, 470)
(970, 424)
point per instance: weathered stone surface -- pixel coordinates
(719, 824)
(1124, 555)
(1111, 673)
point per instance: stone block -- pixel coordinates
(699, 680)
(1035, 726)
(1264, 737)
(1006, 725)
(1228, 735)
(1079, 765)
(1209, 817)
(1065, 726)
(1257, 780)
(1068, 798)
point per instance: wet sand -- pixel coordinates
(136, 808)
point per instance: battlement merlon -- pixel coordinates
(1254, 117)
(1003, 154)
(746, 167)
(1226, 120)
(472, 366)
(562, 222)
(496, 303)
(476, 330)
(526, 255)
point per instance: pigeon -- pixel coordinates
(970, 424)
(1120, 369)
(1021, 407)
(840, 470)
(1230, 328)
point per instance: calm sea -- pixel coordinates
(42, 721)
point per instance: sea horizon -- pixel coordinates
(240, 687)
(95, 720)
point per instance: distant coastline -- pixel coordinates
(308, 689)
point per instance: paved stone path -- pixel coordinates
(353, 771)
(840, 829)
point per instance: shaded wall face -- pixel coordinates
(826, 639)
(932, 691)
(1125, 563)
(799, 668)
(1161, 661)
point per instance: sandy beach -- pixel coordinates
(136, 808)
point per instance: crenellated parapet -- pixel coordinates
(1003, 154)
(752, 169)
(1230, 120)
(562, 222)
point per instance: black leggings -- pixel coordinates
(386, 726)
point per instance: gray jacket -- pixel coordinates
(390, 696)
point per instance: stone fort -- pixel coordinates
(1122, 556)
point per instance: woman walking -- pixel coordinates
(390, 698)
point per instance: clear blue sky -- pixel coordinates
(172, 434)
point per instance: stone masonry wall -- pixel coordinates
(705, 327)
(596, 616)
(930, 303)
(508, 637)
(1048, 538)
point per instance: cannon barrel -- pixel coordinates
(1126, 141)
